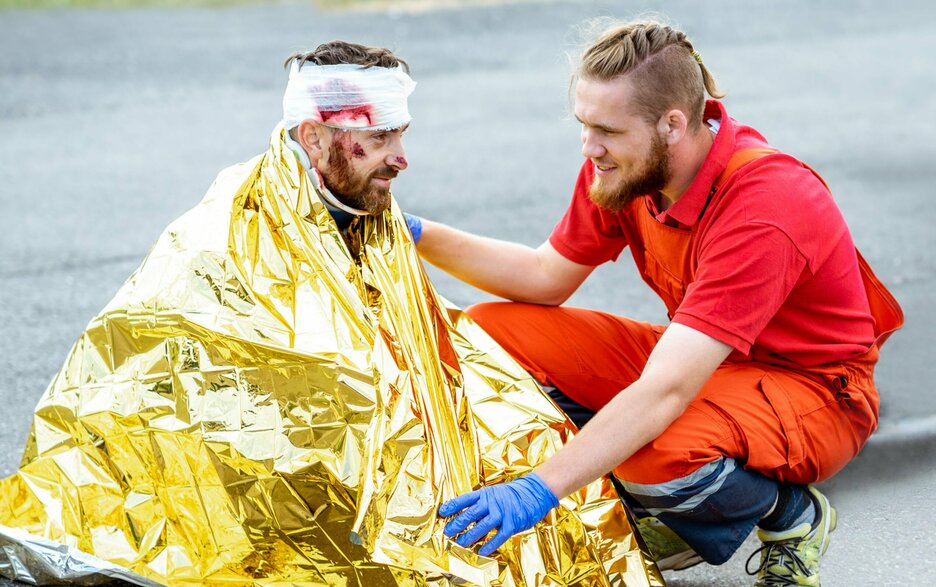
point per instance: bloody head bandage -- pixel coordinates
(347, 96)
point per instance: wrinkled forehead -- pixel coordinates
(603, 99)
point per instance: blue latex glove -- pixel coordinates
(415, 226)
(508, 507)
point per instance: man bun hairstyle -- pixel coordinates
(343, 52)
(665, 71)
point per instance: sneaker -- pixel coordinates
(792, 557)
(669, 550)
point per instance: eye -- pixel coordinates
(379, 137)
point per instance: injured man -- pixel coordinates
(278, 395)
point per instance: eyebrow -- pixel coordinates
(601, 127)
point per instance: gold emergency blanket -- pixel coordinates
(263, 403)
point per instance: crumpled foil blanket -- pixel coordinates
(267, 402)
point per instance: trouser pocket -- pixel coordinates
(790, 421)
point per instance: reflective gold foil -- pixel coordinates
(265, 403)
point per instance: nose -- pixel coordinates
(397, 157)
(591, 147)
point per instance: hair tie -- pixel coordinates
(697, 56)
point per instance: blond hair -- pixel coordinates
(665, 71)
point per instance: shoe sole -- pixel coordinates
(679, 561)
(674, 562)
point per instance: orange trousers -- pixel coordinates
(797, 426)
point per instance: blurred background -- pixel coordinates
(115, 116)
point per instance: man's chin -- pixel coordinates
(379, 208)
(378, 200)
(374, 202)
(609, 197)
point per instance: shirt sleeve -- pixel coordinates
(587, 234)
(744, 275)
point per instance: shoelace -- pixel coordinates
(778, 554)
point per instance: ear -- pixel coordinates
(314, 138)
(672, 126)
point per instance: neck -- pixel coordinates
(686, 158)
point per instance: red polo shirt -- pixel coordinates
(774, 272)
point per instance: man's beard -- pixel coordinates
(652, 177)
(356, 190)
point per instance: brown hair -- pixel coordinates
(341, 52)
(664, 69)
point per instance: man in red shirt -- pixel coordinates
(762, 383)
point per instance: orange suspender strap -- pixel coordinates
(739, 159)
(888, 316)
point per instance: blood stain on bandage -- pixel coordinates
(336, 99)
(347, 115)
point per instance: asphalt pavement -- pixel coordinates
(114, 122)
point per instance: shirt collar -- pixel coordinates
(687, 209)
